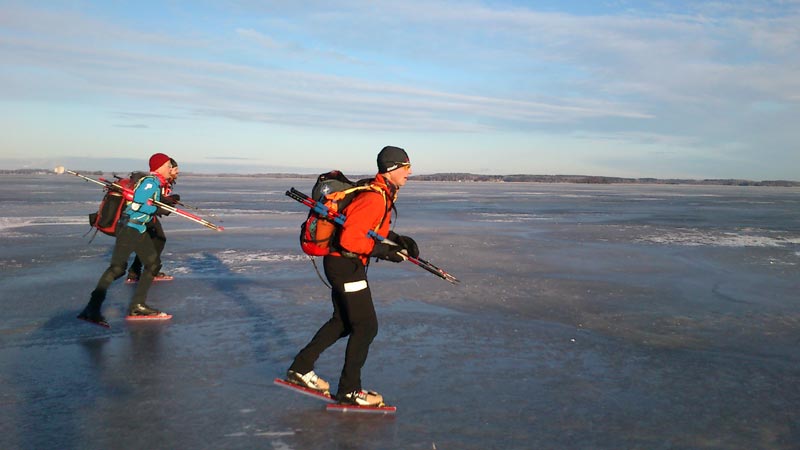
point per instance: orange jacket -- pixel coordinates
(369, 210)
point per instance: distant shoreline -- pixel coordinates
(469, 177)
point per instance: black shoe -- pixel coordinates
(142, 310)
(92, 315)
(132, 277)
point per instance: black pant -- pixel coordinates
(156, 233)
(128, 241)
(353, 315)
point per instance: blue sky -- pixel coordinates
(618, 88)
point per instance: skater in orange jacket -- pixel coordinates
(345, 268)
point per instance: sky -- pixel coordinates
(663, 89)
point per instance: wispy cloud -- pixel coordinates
(704, 74)
(226, 88)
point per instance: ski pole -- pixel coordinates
(128, 195)
(339, 218)
(318, 207)
(185, 205)
(198, 209)
(427, 265)
(172, 209)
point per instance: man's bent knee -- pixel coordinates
(117, 271)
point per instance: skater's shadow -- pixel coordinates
(269, 338)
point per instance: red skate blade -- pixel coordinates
(304, 390)
(148, 318)
(340, 407)
(166, 278)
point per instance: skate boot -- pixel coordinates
(92, 315)
(309, 380)
(361, 398)
(142, 311)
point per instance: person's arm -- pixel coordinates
(364, 214)
(148, 189)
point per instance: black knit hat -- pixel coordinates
(391, 158)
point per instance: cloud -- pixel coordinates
(293, 97)
(665, 57)
(294, 49)
(227, 158)
(259, 38)
(696, 76)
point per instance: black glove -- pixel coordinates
(171, 200)
(405, 243)
(408, 244)
(387, 252)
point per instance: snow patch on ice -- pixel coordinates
(435, 193)
(235, 257)
(18, 222)
(244, 212)
(575, 196)
(233, 260)
(275, 433)
(508, 218)
(526, 193)
(10, 264)
(686, 194)
(742, 238)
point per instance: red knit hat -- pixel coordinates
(158, 160)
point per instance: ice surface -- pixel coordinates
(587, 317)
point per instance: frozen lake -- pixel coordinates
(588, 316)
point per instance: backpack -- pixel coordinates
(318, 235)
(111, 206)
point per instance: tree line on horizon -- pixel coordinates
(470, 177)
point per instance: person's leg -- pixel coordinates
(327, 335)
(358, 313)
(156, 233)
(135, 269)
(123, 246)
(147, 253)
(158, 236)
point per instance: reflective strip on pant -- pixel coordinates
(355, 286)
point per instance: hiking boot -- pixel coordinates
(142, 310)
(309, 380)
(93, 315)
(361, 398)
